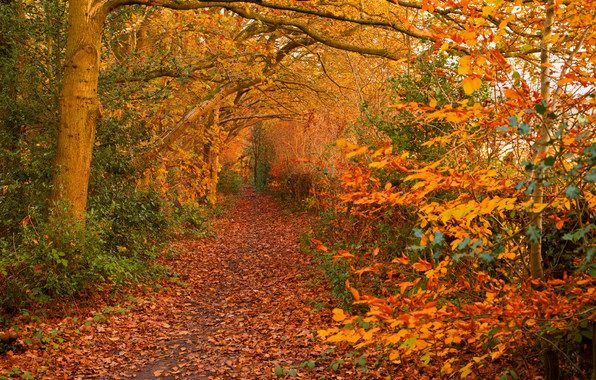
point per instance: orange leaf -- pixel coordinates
(402, 260)
(354, 292)
(422, 266)
(342, 254)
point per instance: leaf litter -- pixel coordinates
(238, 307)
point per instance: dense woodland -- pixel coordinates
(443, 152)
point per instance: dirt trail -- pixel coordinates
(240, 309)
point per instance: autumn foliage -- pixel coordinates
(447, 146)
(475, 247)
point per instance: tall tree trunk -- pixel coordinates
(550, 355)
(213, 157)
(79, 109)
(213, 162)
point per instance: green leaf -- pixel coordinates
(549, 161)
(513, 121)
(477, 243)
(578, 234)
(464, 243)
(572, 192)
(530, 188)
(541, 107)
(279, 371)
(409, 342)
(523, 129)
(336, 364)
(361, 361)
(310, 364)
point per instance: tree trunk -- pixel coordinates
(79, 110)
(550, 355)
(213, 157)
(213, 162)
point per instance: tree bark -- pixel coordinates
(550, 355)
(79, 110)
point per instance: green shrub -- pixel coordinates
(229, 181)
(57, 260)
(192, 219)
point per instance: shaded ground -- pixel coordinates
(238, 309)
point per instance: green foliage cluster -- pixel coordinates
(262, 153)
(425, 80)
(229, 181)
(43, 257)
(61, 260)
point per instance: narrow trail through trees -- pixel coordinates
(239, 308)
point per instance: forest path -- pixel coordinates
(238, 309)
(241, 310)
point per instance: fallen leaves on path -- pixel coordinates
(238, 308)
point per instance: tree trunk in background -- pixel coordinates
(213, 156)
(213, 162)
(550, 356)
(79, 110)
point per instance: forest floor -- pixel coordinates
(241, 305)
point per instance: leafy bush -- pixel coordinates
(229, 181)
(192, 219)
(60, 259)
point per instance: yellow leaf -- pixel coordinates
(357, 152)
(507, 255)
(339, 315)
(465, 371)
(355, 294)
(471, 84)
(378, 164)
(464, 65)
(341, 142)
(432, 103)
(419, 345)
(342, 254)
(324, 333)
